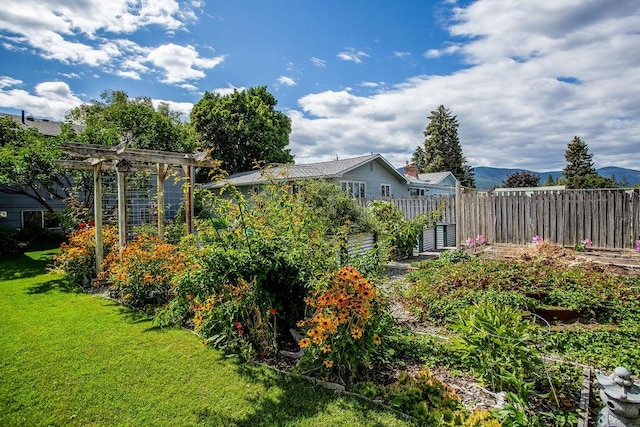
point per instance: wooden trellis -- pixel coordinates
(123, 160)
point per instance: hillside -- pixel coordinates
(487, 177)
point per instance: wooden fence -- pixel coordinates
(610, 218)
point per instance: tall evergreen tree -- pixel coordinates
(579, 160)
(579, 172)
(442, 151)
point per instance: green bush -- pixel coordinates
(496, 342)
(396, 232)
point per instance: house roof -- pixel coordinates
(329, 169)
(44, 126)
(434, 178)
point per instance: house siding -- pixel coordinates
(374, 175)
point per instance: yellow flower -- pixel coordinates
(356, 332)
(376, 339)
(326, 348)
(304, 343)
(328, 364)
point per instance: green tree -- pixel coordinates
(579, 172)
(442, 151)
(117, 116)
(550, 181)
(521, 179)
(27, 164)
(242, 129)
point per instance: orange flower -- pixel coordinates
(300, 324)
(376, 339)
(273, 311)
(328, 364)
(326, 348)
(304, 343)
(356, 332)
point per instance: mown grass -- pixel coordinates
(68, 358)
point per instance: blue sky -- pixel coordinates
(522, 76)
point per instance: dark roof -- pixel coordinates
(330, 169)
(44, 126)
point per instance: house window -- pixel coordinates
(255, 190)
(355, 189)
(416, 191)
(32, 220)
(385, 190)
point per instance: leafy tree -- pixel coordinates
(521, 179)
(442, 151)
(27, 164)
(137, 120)
(242, 128)
(579, 172)
(550, 181)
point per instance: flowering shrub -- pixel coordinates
(345, 330)
(536, 239)
(77, 257)
(141, 273)
(234, 319)
(583, 245)
(637, 245)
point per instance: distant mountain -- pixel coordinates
(487, 178)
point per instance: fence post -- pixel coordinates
(458, 215)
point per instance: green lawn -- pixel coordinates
(68, 358)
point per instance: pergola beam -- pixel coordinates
(137, 155)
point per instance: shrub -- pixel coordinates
(344, 331)
(77, 257)
(141, 273)
(496, 343)
(234, 318)
(426, 399)
(398, 233)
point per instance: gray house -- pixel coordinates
(24, 212)
(366, 177)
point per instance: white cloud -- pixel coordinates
(370, 84)
(183, 108)
(181, 63)
(539, 73)
(129, 74)
(227, 90)
(402, 54)
(437, 53)
(6, 81)
(286, 81)
(318, 62)
(50, 99)
(75, 31)
(353, 55)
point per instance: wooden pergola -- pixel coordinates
(123, 160)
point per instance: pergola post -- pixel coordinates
(97, 209)
(188, 207)
(160, 177)
(122, 167)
